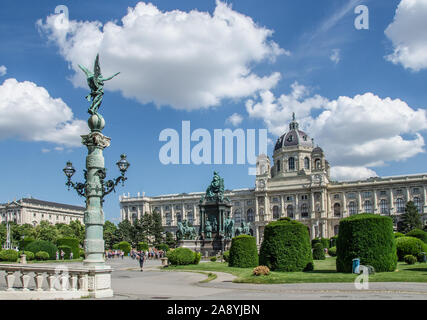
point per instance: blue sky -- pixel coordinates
(267, 61)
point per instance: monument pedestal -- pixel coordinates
(213, 247)
(99, 282)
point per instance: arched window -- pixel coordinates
(352, 208)
(237, 217)
(337, 210)
(417, 203)
(367, 206)
(336, 228)
(318, 164)
(291, 163)
(400, 205)
(278, 165)
(306, 163)
(304, 210)
(250, 214)
(178, 217)
(276, 214)
(290, 211)
(383, 207)
(168, 219)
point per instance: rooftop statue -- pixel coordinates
(95, 80)
(215, 191)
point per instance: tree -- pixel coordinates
(78, 230)
(110, 231)
(64, 230)
(2, 233)
(170, 240)
(157, 229)
(125, 232)
(47, 231)
(411, 219)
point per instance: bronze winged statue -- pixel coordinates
(95, 80)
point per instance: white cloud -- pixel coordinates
(187, 60)
(235, 119)
(44, 150)
(28, 112)
(359, 132)
(335, 56)
(351, 173)
(407, 33)
(3, 71)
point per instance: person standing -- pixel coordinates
(62, 254)
(57, 255)
(71, 255)
(141, 258)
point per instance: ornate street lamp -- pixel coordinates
(95, 188)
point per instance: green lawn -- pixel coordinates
(44, 261)
(324, 271)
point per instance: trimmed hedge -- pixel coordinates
(286, 246)
(409, 245)
(125, 247)
(42, 255)
(226, 255)
(418, 233)
(243, 252)
(332, 251)
(67, 251)
(29, 254)
(73, 243)
(181, 256)
(318, 252)
(325, 242)
(43, 245)
(24, 242)
(82, 253)
(398, 235)
(410, 259)
(9, 255)
(333, 241)
(368, 237)
(197, 257)
(163, 246)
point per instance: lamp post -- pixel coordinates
(95, 188)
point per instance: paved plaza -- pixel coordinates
(129, 282)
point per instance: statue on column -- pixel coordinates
(228, 228)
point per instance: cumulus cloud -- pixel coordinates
(187, 60)
(339, 173)
(356, 132)
(3, 70)
(28, 112)
(407, 34)
(235, 119)
(335, 56)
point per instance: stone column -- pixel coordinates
(407, 194)
(322, 204)
(313, 209)
(282, 206)
(391, 201)
(375, 208)
(267, 209)
(344, 205)
(359, 202)
(173, 221)
(425, 198)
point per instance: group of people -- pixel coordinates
(111, 254)
(152, 253)
(62, 254)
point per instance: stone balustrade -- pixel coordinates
(54, 282)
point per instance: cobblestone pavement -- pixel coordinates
(129, 282)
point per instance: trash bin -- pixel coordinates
(423, 257)
(356, 265)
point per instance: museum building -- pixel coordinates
(33, 211)
(295, 184)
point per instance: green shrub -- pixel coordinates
(368, 237)
(181, 256)
(309, 267)
(325, 242)
(398, 235)
(418, 233)
(286, 246)
(333, 241)
(125, 247)
(314, 242)
(43, 245)
(243, 252)
(42, 255)
(142, 246)
(9, 255)
(116, 246)
(81, 253)
(410, 259)
(213, 259)
(73, 243)
(420, 256)
(332, 251)
(318, 252)
(24, 242)
(408, 245)
(163, 246)
(226, 255)
(67, 251)
(197, 257)
(29, 254)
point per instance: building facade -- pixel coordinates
(33, 211)
(296, 184)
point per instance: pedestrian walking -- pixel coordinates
(141, 258)
(71, 255)
(57, 255)
(62, 254)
